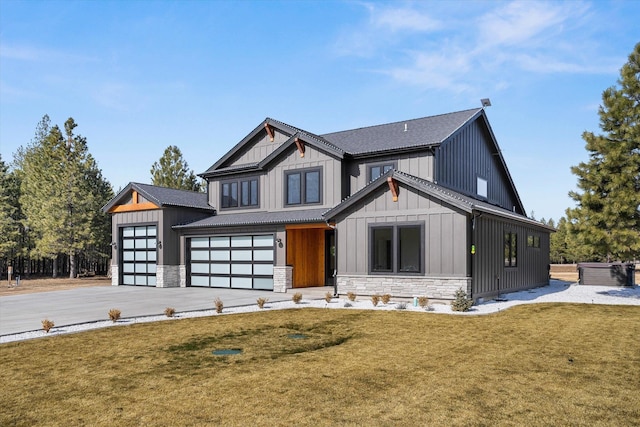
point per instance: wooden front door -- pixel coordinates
(306, 253)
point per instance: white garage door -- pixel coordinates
(239, 262)
(139, 255)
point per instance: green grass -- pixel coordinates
(545, 364)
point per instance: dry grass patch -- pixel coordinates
(541, 364)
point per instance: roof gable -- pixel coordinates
(137, 197)
(452, 198)
(266, 127)
(483, 123)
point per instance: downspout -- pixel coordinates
(335, 271)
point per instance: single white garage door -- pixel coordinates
(238, 262)
(139, 255)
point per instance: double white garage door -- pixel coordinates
(239, 262)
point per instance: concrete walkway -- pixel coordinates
(23, 313)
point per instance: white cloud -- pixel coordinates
(385, 27)
(437, 70)
(457, 48)
(403, 19)
(523, 22)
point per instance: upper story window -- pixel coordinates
(481, 187)
(396, 249)
(533, 241)
(239, 193)
(303, 186)
(379, 169)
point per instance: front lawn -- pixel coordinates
(545, 364)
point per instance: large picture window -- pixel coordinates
(303, 187)
(510, 249)
(239, 193)
(397, 248)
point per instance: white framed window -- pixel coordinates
(481, 187)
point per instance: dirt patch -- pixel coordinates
(28, 286)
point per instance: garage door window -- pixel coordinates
(242, 262)
(138, 256)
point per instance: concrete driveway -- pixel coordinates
(23, 313)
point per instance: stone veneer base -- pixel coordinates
(404, 286)
(115, 274)
(282, 278)
(167, 276)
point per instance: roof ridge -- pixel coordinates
(167, 188)
(401, 121)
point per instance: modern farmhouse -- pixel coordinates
(417, 207)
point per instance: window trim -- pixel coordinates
(533, 241)
(238, 183)
(303, 186)
(395, 248)
(486, 187)
(392, 163)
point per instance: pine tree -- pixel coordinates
(173, 171)
(10, 228)
(606, 220)
(62, 191)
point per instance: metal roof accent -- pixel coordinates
(257, 218)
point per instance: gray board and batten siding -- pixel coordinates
(445, 228)
(468, 155)
(490, 275)
(271, 185)
(164, 219)
(418, 163)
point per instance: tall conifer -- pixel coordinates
(606, 220)
(173, 171)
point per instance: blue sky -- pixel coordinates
(138, 76)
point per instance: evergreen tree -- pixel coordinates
(10, 227)
(606, 220)
(62, 191)
(173, 171)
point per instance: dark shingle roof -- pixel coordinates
(258, 218)
(164, 197)
(392, 136)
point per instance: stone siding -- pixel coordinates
(115, 275)
(404, 286)
(167, 276)
(282, 278)
(183, 276)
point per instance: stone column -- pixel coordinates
(282, 278)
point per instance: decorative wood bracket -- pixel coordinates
(135, 205)
(393, 186)
(269, 131)
(300, 146)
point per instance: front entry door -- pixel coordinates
(306, 254)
